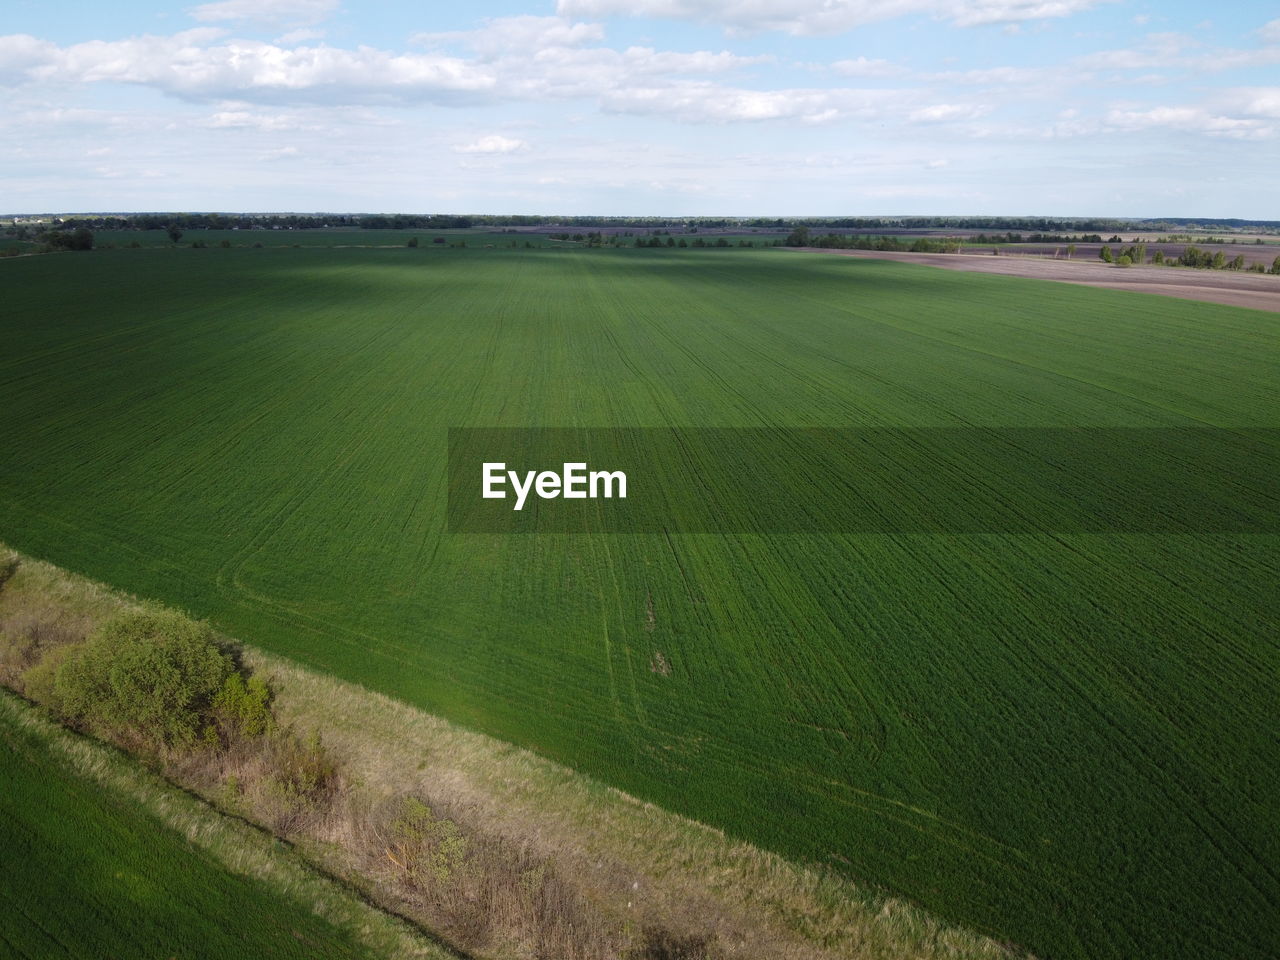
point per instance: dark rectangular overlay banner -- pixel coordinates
(955, 480)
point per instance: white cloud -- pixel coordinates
(1000, 76)
(189, 65)
(1155, 50)
(1239, 59)
(1270, 32)
(1255, 101)
(301, 13)
(948, 112)
(648, 60)
(1173, 51)
(526, 33)
(246, 120)
(200, 65)
(863, 67)
(301, 35)
(281, 153)
(20, 53)
(808, 17)
(711, 103)
(493, 143)
(701, 102)
(1191, 120)
(271, 87)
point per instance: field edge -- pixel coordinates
(754, 899)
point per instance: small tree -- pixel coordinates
(1124, 261)
(175, 233)
(152, 673)
(799, 237)
(1275, 265)
(1071, 250)
(413, 242)
(1105, 254)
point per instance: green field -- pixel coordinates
(89, 874)
(1067, 741)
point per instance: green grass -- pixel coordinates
(91, 872)
(1066, 741)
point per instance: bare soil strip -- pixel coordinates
(1251, 290)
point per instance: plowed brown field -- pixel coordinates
(1212, 286)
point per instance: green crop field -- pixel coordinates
(1066, 740)
(88, 874)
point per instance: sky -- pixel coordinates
(643, 107)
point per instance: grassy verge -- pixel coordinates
(504, 853)
(104, 858)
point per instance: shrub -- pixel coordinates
(1124, 261)
(151, 673)
(302, 776)
(39, 682)
(428, 849)
(243, 709)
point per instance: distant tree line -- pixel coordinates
(1012, 237)
(671, 241)
(52, 241)
(1191, 256)
(439, 221)
(800, 237)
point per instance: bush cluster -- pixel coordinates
(153, 674)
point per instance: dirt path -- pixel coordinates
(1211, 286)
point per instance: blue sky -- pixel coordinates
(662, 107)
